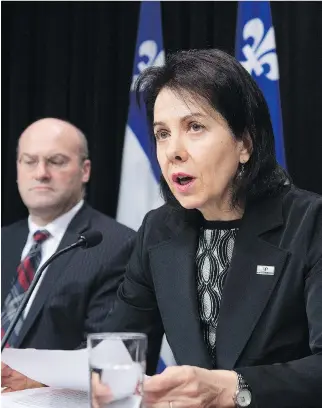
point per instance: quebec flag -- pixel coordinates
(140, 174)
(256, 51)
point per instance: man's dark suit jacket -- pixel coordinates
(78, 292)
(270, 326)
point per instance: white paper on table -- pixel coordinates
(45, 398)
(58, 398)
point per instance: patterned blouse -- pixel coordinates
(214, 253)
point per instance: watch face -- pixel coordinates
(244, 398)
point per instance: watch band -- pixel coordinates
(241, 382)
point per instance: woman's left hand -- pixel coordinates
(186, 386)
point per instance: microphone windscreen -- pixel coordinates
(91, 238)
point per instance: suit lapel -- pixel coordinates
(11, 247)
(78, 225)
(173, 269)
(246, 292)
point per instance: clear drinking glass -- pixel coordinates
(117, 363)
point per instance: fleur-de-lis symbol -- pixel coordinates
(262, 51)
(149, 50)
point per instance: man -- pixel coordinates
(77, 292)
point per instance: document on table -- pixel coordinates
(45, 398)
(58, 398)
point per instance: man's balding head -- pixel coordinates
(52, 167)
(47, 125)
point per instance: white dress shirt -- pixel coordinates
(57, 229)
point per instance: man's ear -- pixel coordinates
(86, 170)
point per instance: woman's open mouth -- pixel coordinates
(182, 181)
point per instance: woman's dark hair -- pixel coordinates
(220, 80)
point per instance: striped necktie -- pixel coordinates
(25, 274)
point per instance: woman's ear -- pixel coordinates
(246, 148)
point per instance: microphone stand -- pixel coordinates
(32, 286)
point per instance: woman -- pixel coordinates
(231, 266)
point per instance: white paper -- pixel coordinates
(58, 398)
(45, 398)
(70, 369)
(55, 368)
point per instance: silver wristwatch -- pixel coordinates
(243, 396)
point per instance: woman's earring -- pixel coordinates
(242, 170)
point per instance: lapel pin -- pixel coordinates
(265, 270)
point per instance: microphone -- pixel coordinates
(88, 240)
